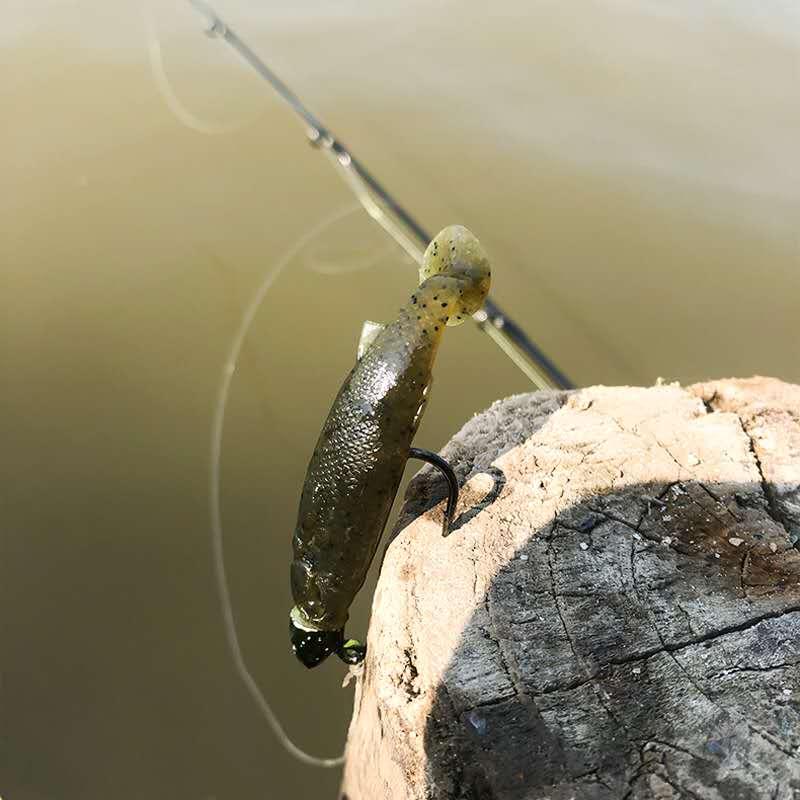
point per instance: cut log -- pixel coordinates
(615, 615)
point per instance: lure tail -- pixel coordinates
(457, 270)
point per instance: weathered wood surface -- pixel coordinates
(616, 615)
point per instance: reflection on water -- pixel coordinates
(633, 172)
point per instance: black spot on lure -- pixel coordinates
(358, 463)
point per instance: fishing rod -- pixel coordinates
(384, 209)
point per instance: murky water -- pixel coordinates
(632, 169)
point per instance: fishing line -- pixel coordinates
(170, 96)
(193, 122)
(340, 266)
(218, 553)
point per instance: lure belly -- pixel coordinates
(357, 465)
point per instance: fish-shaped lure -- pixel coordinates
(358, 462)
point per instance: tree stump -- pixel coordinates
(616, 613)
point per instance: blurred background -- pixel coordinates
(632, 167)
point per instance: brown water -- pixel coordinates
(633, 171)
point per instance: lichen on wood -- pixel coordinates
(615, 615)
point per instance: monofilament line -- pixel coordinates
(218, 552)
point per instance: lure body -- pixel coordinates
(358, 462)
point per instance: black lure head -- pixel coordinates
(312, 647)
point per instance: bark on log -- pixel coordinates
(615, 615)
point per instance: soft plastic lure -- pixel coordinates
(358, 462)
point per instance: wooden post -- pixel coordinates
(615, 615)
